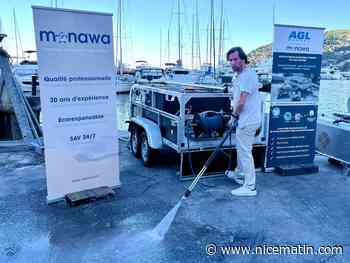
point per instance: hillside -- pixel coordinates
(260, 54)
(336, 50)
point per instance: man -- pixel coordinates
(247, 109)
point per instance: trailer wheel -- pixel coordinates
(146, 151)
(135, 142)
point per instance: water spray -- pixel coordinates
(162, 228)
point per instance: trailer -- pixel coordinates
(187, 118)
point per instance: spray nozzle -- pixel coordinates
(187, 193)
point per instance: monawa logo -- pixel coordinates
(72, 37)
(299, 36)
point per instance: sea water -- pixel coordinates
(333, 97)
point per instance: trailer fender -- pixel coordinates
(152, 130)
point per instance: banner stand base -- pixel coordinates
(77, 198)
(297, 169)
(53, 201)
(267, 169)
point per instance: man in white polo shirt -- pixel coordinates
(247, 109)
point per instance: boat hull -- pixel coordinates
(123, 87)
(332, 139)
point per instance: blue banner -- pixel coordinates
(296, 69)
(291, 135)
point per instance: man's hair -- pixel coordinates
(241, 54)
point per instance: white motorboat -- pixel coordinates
(179, 74)
(124, 82)
(148, 73)
(23, 72)
(331, 73)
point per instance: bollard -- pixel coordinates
(35, 83)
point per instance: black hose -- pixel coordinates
(208, 162)
(191, 163)
(190, 158)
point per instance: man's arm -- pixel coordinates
(240, 105)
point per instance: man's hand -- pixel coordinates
(233, 120)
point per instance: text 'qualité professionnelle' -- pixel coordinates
(76, 78)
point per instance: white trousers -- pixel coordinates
(245, 137)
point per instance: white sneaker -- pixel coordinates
(233, 175)
(244, 191)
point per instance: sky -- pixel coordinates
(248, 23)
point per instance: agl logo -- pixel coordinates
(299, 36)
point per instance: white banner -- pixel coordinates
(76, 75)
(297, 39)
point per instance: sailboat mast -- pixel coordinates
(160, 48)
(117, 40)
(168, 45)
(179, 32)
(213, 27)
(223, 42)
(198, 36)
(221, 33)
(126, 41)
(207, 58)
(192, 59)
(211, 36)
(120, 39)
(16, 37)
(274, 12)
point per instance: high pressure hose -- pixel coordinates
(210, 159)
(190, 156)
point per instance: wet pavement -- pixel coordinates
(311, 210)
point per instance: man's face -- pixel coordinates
(235, 61)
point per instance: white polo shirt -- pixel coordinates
(247, 81)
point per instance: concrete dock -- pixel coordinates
(312, 210)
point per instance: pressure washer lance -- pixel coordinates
(210, 159)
